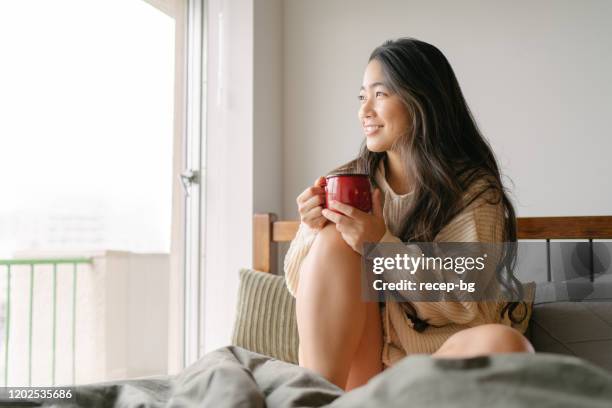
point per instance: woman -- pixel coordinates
(436, 179)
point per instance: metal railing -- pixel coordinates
(9, 264)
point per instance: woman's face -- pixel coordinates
(383, 116)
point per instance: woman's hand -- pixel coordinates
(309, 205)
(355, 226)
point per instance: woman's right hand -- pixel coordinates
(310, 205)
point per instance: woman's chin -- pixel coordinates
(375, 147)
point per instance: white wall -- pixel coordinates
(229, 164)
(268, 110)
(535, 74)
(244, 147)
(267, 105)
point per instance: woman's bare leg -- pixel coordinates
(368, 358)
(482, 340)
(332, 318)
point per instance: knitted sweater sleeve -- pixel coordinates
(481, 222)
(300, 245)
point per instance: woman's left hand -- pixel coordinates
(356, 226)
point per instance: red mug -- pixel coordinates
(351, 189)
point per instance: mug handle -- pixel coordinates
(324, 185)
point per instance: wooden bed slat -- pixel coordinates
(267, 232)
(262, 241)
(283, 231)
(596, 227)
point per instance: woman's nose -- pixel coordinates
(366, 111)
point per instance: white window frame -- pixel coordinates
(186, 283)
(195, 152)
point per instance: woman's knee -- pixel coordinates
(330, 241)
(330, 258)
(485, 339)
(330, 248)
(510, 339)
(499, 338)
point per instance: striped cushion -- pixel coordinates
(265, 318)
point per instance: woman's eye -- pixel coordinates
(361, 97)
(379, 93)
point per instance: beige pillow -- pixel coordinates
(265, 317)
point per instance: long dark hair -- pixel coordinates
(444, 150)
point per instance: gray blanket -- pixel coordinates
(235, 377)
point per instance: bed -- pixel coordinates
(568, 290)
(259, 369)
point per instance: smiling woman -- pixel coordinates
(436, 179)
(386, 120)
(384, 116)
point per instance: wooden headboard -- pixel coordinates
(267, 232)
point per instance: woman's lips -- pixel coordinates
(371, 129)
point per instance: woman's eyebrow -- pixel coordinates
(372, 85)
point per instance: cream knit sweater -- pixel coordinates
(479, 222)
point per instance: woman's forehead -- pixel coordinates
(373, 75)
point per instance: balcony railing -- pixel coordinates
(32, 263)
(94, 316)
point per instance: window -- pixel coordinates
(91, 138)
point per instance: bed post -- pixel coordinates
(263, 246)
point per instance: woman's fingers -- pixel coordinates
(317, 188)
(313, 214)
(312, 202)
(334, 217)
(311, 211)
(309, 193)
(314, 218)
(345, 226)
(309, 204)
(345, 209)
